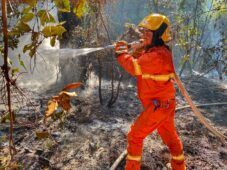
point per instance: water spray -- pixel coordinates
(66, 52)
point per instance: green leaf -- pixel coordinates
(27, 17)
(52, 41)
(45, 17)
(21, 62)
(80, 9)
(26, 10)
(31, 3)
(49, 31)
(23, 27)
(1, 49)
(32, 50)
(14, 71)
(62, 5)
(27, 47)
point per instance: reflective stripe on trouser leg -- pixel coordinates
(178, 162)
(134, 158)
(178, 157)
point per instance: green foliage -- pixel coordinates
(62, 5)
(26, 10)
(1, 49)
(27, 17)
(21, 62)
(52, 41)
(220, 9)
(50, 31)
(15, 71)
(34, 44)
(31, 3)
(20, 28)
(81, 8)
(45, 17)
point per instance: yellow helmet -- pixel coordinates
(154, 22)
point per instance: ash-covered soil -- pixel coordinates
(91, 136)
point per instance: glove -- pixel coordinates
(121, 47)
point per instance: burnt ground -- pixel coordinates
(92, 136)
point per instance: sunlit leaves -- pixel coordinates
(31, 3)
(20, 29)
(80, 8)
(62, 5)
(45, 17)
(184, 59)
(23, 27)
(26, 48)
(220, 9)
(72, 86)
(27, 17)
(26, 10)
(51, 107)
(57, 30)
(31, 48)
(34, 44)
(62, 100)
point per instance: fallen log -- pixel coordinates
(118, 160)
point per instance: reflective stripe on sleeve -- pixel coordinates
(134, 158)
(138, 72)
(137, 68)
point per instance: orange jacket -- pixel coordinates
(156, 61)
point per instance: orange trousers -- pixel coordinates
(162, 119)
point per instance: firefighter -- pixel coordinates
(154, 72)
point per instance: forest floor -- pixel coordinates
(92, 136)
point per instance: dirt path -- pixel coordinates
(92, 137)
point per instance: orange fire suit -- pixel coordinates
(153, 70)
